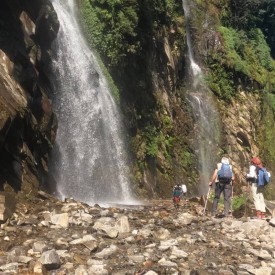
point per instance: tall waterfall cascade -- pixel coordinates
(207, 122)
(90, 159)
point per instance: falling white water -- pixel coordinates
(205, 114)
(195, 68)
(90, 159)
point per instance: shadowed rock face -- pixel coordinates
(27, 123)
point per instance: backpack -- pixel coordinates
(263, 176)
(177, 191)
(225, 173)
(184, 188)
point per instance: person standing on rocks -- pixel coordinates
(177, 194)
(223, 178)
(256, 189)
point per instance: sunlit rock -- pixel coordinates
(107, 252)
(50, 259)
(60, 219)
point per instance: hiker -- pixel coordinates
(223, 177)
(256, 188)
(177, 194)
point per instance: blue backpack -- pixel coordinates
(263, 176)
(225, 173)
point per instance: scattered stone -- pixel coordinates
(264, 255)
(39, 268)
(50, 260)
(107, 252)
(60, 219)
(150, 272)
(150, 240)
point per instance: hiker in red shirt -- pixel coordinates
(256, 189)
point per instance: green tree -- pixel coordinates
(268, 24)
(111, 27)
(248, 14)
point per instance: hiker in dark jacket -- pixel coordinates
(257, 191)
(223, 178)
(177, 194)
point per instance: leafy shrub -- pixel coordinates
(267, 130)
(186, 158)
(110, 27)
(220, 81)
(261, 49)
(245, 54)
(238, 201)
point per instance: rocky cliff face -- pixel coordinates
(163, 131)
(27, 122)
(242, 116)
(151, 73)
(153, 98)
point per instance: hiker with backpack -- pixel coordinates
(177, 194)
(223, 178)
(258, 177)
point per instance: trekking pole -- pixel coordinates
(231, 207)
(246, 199)
(207, 197)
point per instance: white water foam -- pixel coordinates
(90, 160)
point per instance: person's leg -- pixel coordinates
(256, 199)
(216, 198)
(176, 201)
(227, 193)
(261, 202)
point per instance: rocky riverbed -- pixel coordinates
(48, 236)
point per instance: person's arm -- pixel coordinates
(233, 175)
(233, 179)
(213, 178)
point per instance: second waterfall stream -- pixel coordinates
(206, 118)
(90, 160)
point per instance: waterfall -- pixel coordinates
(90, 160)
(207, 130)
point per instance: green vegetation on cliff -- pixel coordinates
(251, 14)
(119, 28)
(243, 55)
(266, 137)
(111, 27)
